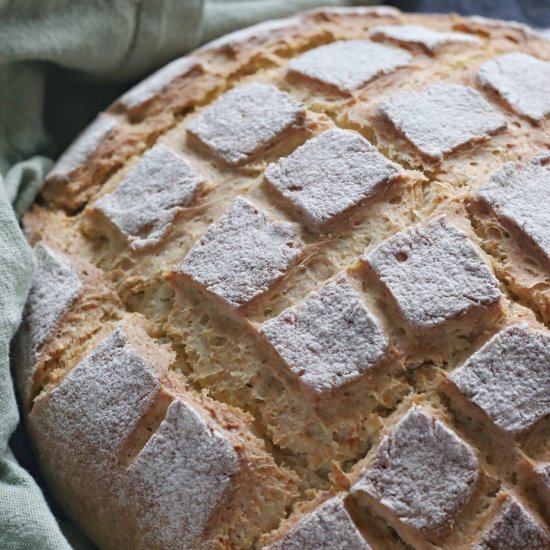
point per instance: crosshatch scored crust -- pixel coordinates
(171, 360)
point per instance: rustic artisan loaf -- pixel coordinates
(293, 291)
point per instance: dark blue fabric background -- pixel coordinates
(532, 12)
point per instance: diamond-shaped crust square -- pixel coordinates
(184, 473)
(434, 274)
(330, 174)
(522, 81)
(242, 254)
(245, 121)
(517, 195)
(509, 378)
(429, 39)
(422, 474)
(84, 147)
(55, 287)
(442, 118)
(153, 85)
(108, 392)
(514, 527)
(144, 205)
(328, 527)
(347, 65)
(330, 339)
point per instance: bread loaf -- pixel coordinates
(293, 291)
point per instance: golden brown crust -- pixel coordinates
(296, 449)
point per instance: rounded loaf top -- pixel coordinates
(292, 292)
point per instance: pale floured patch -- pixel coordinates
(184, 473)
(143, 207)
(330, 174)
(434, 273)
(156, 83)
(84, 147)
(328, 527)
(514, 526)
(441, 118)
(330, 339)
(517, 196)
(422, 473)
(242, 254)
(245, 121)
(509, 378)
(348, 65)
(422, 36)
(521, 80)
(55, 287)
(99, 403)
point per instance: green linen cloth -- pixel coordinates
(61, 61)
